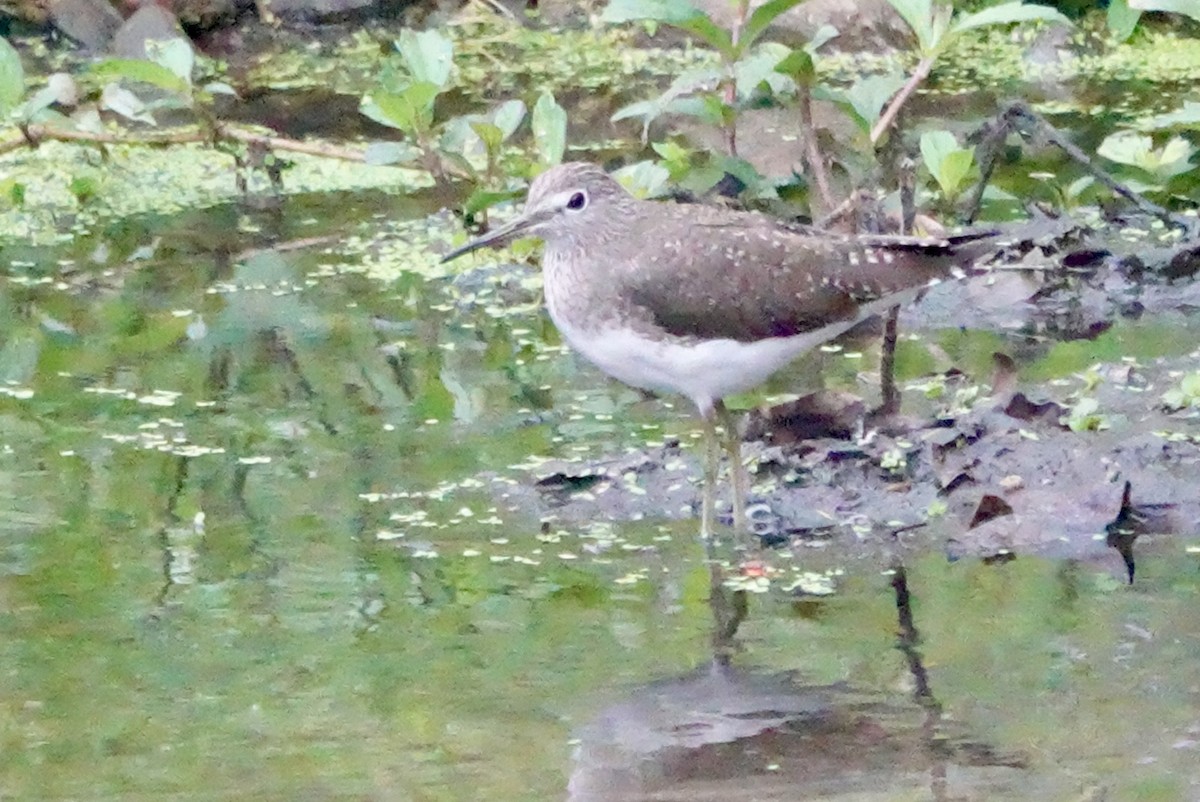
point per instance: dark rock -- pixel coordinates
(92, 23)
(148, 23)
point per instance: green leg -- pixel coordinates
(737, 471)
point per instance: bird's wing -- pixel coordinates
(738, 276)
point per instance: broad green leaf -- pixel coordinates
(1136, 150)
(410, 110)
(824, 34)
(939, 30)
(644, 179)
(428, 55)
(676, 13)
(946, 162)
(761, 19)
(60, 88)
(1126, 147)
(175, 54)
(918, 14)
(1190, 384)
(675, 99)
(760, 67)
(12, 193)
(482, 199)
(868, 95)
(1008, 13)
(141, 71)
(1122, 19)
(953, 172)
(646, 109)
(12, 78)
(1080, 185)
(490, 135)
(219, 88)
(934, 147)
(799, 66)
(508, 118)
(1173, 159)
(715, 110)
(1188, 8)
(38, 102)
(549, 129)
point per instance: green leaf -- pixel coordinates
(549, 129)
(1085, 416)
(760, 67)
(1188, 8)
(508, 118)
(645, 179)
(1126, 147)
(12, 78)
(1136, 150)
(1174, 158)
(761, 19)
(799, 66)
(955, 168)
(868, 95)
(824, 34)
(410, 110)
(490, 135)
(219, 88)
(482, 199)
(428, 55)
(1077, 187)
(84, 188)
(1006, 14)
(175, 54)
(947, 163)
(1122, 19)
(12, 193)
(678, 14)
(140, 71)
(918, 14)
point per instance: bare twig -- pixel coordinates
(910, 86)
(34, 134)
(812, 153)
(1021, 119)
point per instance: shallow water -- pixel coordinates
(256, 544)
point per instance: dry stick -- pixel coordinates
(34, 134)
(910, 86)
(888, 391)
(1028, 123)
(812, 153)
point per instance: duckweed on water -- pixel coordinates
(143, 180)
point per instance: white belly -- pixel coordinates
(705, 371)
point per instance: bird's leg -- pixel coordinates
(737, 471)
(712, 458)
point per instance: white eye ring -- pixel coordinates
(577, 202)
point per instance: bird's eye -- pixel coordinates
(577, 201)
